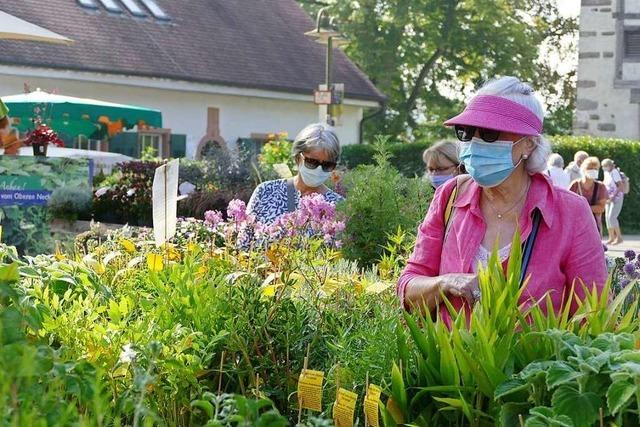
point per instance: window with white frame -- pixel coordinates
(151, 140)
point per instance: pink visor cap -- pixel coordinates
(497, 113)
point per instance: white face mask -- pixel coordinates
(591, 173)
(313, 177)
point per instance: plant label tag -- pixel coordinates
(310, 390)
(371, 402)
(344, 408)
(165, 201)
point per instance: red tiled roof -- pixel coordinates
(244, 43)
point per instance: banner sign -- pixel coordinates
(29, 181)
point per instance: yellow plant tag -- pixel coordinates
(344, 408)
(371, 409)
(310, 390)
(128, 245)
(154, 262)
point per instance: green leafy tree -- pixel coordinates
(425, 55)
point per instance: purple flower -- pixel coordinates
(237, 210)
(624, 283)
(629, 269)
(629, 254)
(213, 218)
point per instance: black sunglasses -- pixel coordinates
(465, 133)
(314, 163)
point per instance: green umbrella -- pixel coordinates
(71, 116)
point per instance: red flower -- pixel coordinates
(43, 134)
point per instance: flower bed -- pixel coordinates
(216, 326)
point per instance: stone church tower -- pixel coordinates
(609, 69)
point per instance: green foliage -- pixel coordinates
(26, 228)
(70, 203)
(625, 153)
(379, 200)
(276, 151)
(423, 54)
(586, 376)
(406, 158)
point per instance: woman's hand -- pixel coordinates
(424, 292)
(461, 285)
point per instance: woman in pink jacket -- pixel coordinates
(504, 154)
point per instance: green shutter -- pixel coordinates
(178, 146)
(125, 143)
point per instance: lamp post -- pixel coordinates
(326, 34)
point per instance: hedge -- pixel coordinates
(407, 158)
(625, 153)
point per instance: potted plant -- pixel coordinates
(40, 138)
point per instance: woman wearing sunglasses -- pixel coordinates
(316, 151)
(505, 192)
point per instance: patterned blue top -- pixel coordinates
(269, 200)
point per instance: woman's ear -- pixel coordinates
(530, 145)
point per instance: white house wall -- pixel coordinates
(185, 112)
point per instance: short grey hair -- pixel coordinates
(556, 160)
(317, 136)
(513, 89)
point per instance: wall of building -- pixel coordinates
(185, 112)
(608, 84)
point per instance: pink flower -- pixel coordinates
(213, 218)
(237, 210)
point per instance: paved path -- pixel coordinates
(630, 242)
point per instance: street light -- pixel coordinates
(327, 34)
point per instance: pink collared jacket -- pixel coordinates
(567, 248)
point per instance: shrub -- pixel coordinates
(625, 153)
(70, 203)
(210, 199)
(407, 158)
(379, 201)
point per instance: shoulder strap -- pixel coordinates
(528, 245)
(291, 195)
(449, 210)
(594, 195)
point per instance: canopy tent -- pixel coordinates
(71, 117)
(14, 28)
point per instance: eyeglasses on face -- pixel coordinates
(465, 133)
(312, 163)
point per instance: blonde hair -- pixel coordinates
(440, 152)
(590, 163)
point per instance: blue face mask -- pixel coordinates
(488, 163)
(438, 180)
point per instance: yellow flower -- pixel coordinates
(270, 290)
(128, 245)
(154, 262)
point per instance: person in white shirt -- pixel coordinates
(613, 182)
(558, 176)
(574, 167)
